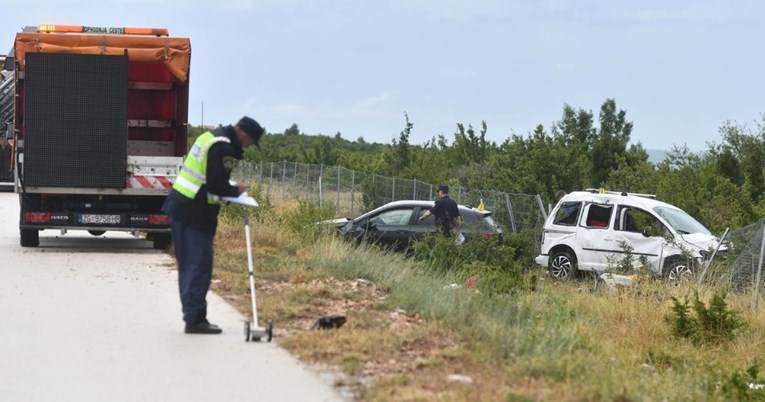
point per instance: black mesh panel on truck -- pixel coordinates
(75, 120)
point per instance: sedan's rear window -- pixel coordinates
(393, 217)
(469, 216)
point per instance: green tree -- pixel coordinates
(610, 142)
(398, 156)
(322, 151)
(292, 131)
(470, 147)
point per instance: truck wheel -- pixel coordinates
(161, 241)
(96, 232)
(28, 202)
(29, 237)
(562, 265)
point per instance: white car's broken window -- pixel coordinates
(568, 214)
(599, 215)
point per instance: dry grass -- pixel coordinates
(406, 338)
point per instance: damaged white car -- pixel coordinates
(595, 230)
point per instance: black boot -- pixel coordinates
(202, 327)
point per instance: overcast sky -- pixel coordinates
(678, 68)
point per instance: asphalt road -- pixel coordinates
(99, 319)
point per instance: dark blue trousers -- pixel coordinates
(194, 253)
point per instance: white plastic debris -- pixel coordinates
(459, 378)
(614, 280)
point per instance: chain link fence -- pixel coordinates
(352, 193)
(743, 260)
(739, 268)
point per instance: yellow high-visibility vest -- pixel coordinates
(193, 174)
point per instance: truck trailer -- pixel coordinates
(98, 128)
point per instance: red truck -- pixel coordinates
(98, 128)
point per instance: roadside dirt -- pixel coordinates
(413, 344)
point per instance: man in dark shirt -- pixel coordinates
(446, 212)
(193, 207)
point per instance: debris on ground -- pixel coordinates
(463, 379)
(614, 280)
(333, 321)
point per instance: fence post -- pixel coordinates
(708, 263)
(393, 190)
(294, 180)
(414, 192)
(308, 179)
(321, 175)
(759, 269)
(430, 195)
(510, 211)
(337, 206)
(459, 195)
(541, 207)
(353, 187)
(271, 178)
(284, 171)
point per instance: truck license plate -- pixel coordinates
(100, 219)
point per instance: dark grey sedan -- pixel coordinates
(396, 225)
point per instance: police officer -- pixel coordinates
(193, 206)
(446, 212)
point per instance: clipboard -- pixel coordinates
(243, 199)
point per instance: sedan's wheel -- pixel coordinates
(677, 270)
(562, 265)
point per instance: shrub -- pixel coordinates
(743, 386)
(495, 265)
(710, 325)
(304, 219)
(236, 211)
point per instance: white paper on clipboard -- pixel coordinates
(244, 198)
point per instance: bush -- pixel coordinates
(236, 211)
(524, 245)
(710, 325)
(304, 219)
(495, 265)
(743, 386)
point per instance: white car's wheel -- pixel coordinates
(562, 265)
(677, 269)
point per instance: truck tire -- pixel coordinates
(27, 202)
(29, 237)
(161, 241)
(96, 232)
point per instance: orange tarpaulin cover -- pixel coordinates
(175, 52)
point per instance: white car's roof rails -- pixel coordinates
(622, 193)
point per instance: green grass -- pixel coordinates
(534, 339)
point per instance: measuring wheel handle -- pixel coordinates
(269, 330)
